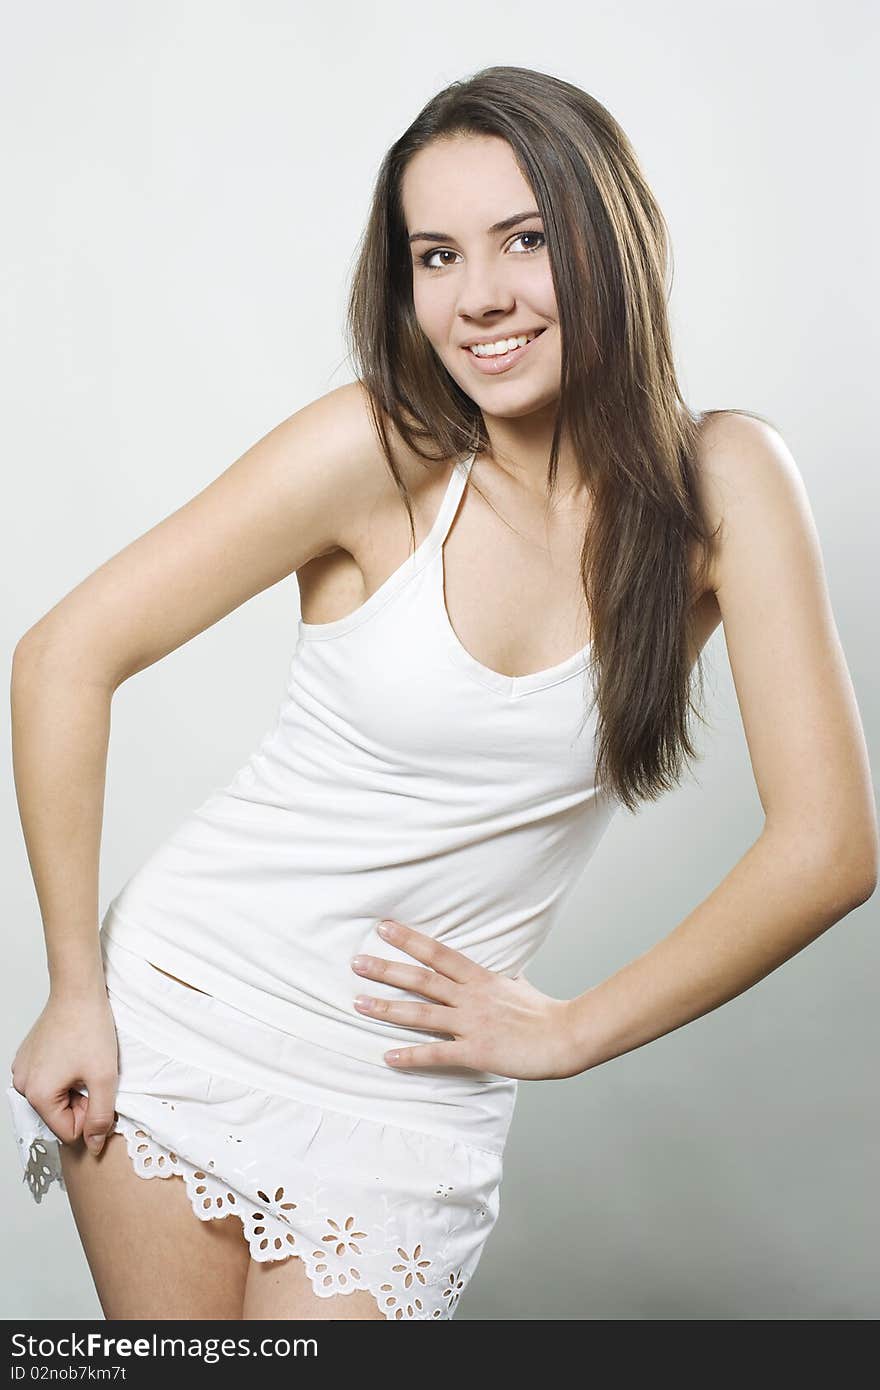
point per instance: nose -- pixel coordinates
(483, 292)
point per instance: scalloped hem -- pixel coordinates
(331, 1270)
(408, 1281)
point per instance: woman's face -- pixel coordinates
(474, 281)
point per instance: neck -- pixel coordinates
(520, 448)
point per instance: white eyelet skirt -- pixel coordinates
(248, 1117)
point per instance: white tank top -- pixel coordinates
(402, 778)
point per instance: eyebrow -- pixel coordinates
(503, 226)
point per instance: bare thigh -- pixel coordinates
(149, 1254)
(281, 1289)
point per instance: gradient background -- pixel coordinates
(185, 187)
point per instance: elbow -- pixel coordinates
(30, 653)
(41, 656)
(31, 646)
(841, 870)
(865, 872)
(23, 655)
(867, 887)
(853, 872)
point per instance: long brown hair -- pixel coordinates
(620, 405)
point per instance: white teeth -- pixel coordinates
(499, 348)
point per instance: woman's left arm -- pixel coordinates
(816, 856)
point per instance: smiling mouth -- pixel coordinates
(490, 363)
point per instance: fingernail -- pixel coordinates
(95, 1143)
(386, 928)
(391, 1056)
(358, 962)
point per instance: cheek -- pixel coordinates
(432, 314)
(542, 295)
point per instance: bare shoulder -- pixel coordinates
(742, 468)
(372, 536)
(379, 491)
(329, 454)
(743, 464)
(341, 459)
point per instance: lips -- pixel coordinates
(491, 366)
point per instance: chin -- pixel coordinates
(518, 412)
(533, 395)
(525, 401)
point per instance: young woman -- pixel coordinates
(512, 539)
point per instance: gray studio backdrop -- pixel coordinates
(185, 186)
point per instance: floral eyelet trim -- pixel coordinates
(340, 1255)
(42, 1169)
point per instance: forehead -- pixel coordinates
(473, 179)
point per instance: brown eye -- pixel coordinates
(438, 251)
(529, 249)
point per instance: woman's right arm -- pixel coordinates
(303, 490)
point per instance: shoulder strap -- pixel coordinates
(452, 497)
